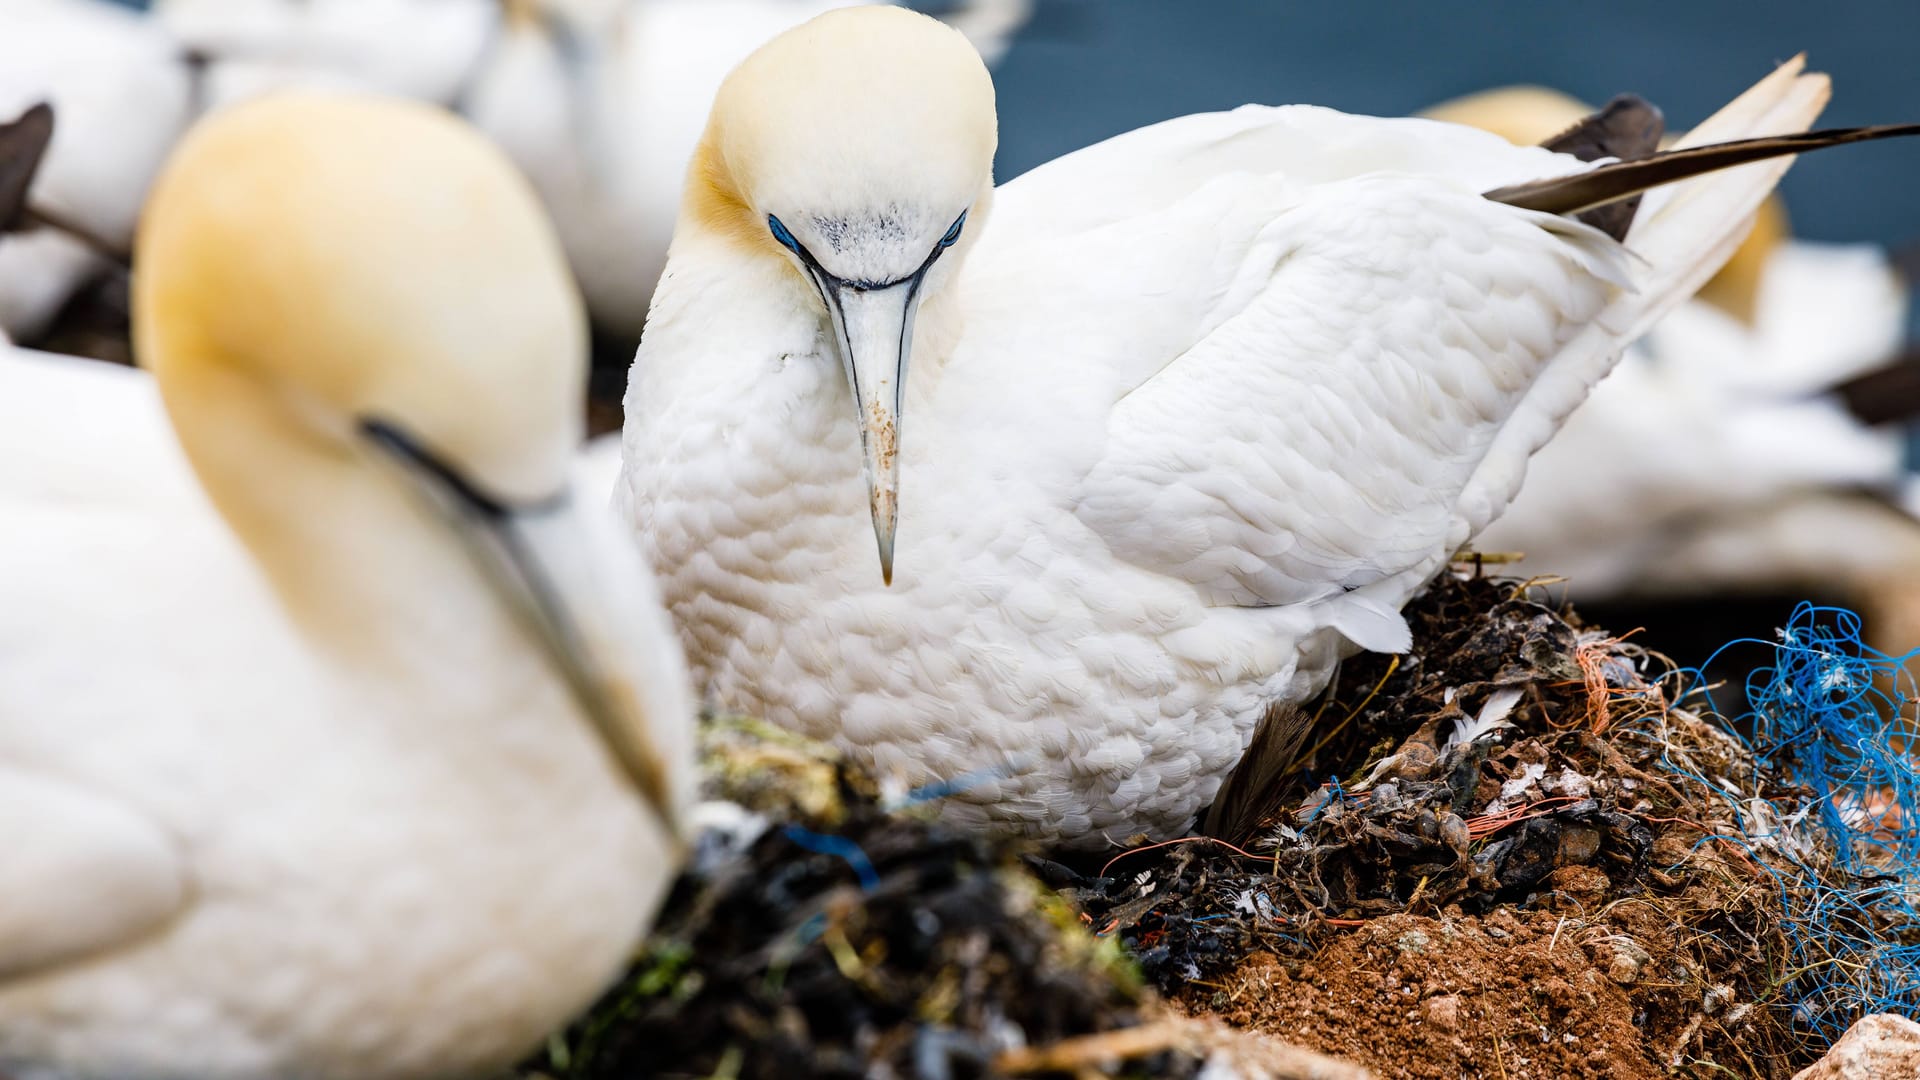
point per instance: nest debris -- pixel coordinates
(830, 938)
(1516, 766)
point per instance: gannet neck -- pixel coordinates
(713, 209)
(356, 559)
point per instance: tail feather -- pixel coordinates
(1621, 180)
(1682, 236)
(1906, 260)
(1687, 232)
(1255, 790)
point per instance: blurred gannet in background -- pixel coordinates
(424, 49)
(122, 97)
(1714, 458)
(599, 101)
(337, 738)
(1204, 406)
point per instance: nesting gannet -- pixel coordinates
(1686, 469)
(338, 738)
(122, 99)
(423, 49)
(1189, 414)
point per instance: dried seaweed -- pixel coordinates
(849, 942)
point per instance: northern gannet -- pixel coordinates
(1163, 428)
(338, 736)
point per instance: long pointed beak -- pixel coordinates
(551, 564)
(874, 328)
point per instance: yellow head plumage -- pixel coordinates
(859, 111)
(345, 258)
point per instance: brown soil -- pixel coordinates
(1511, 994)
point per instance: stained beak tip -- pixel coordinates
(886, 560)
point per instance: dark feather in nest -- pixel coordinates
(1256, 788)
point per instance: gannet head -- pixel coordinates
(858, 149)
(376, 285)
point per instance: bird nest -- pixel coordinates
(1522, 849)
(1528, 848)
(818, 934)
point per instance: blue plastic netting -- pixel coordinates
(1828, 807)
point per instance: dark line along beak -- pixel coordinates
(523, 551)
(873, 330)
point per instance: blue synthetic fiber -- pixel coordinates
(1331, 793)
(1831, 810)
(828, 844)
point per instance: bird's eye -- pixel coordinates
(781, 234)
(953, 231)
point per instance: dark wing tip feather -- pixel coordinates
(1628, 128)
(23, 144)
(1906, 261)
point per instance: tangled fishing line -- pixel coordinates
(1831, 808)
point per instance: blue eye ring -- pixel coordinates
(953, 231)
(786, 239)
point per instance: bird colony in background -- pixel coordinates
(599, 102)
(1062, 494)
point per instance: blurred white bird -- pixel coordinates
(599, 101)
(122, 97)
(336, 738)
(1206, 404)
(424, 49)
(1686, 469)
(1711, 425)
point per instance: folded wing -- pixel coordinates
(1369, 360)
